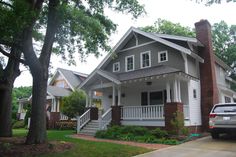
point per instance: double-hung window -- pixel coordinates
(116, 67)
(162, 56)
(129, 63)
(145, 58)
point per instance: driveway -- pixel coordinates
(204, 147)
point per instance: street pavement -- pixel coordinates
(203, 147)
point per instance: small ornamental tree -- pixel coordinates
(74, 104)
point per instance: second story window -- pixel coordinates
(162, 56)
(116, 67)
(145, 59)
(129, 63)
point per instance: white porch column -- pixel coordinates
(119, 95)
(20, 107)
(90, 98)
(179, 91)
(113, 95)
(168, 99)
(58, 105)
(175, 91)
(53, 105)
(87, 100)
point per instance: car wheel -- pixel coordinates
(215, 135)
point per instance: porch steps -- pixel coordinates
(91, 128)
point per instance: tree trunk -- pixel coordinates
(7, 78)
(37, 132)
(6, 112)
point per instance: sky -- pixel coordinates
(185, 12)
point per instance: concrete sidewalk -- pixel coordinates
(204, 147)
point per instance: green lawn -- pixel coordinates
(85, 148)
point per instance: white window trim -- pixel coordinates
(126, 63)
(141, 59)
(159, 56)
(118, 63)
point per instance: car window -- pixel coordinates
(224, 108)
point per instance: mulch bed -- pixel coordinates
(15, 147)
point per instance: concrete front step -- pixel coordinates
(91, 128)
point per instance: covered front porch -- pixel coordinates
(142, 101)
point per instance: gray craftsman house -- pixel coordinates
(150, 76)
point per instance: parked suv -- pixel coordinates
(222, 119)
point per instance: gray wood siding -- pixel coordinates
(132, 41)
(175, 58)
(192, 67)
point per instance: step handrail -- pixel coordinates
(83, 120)
(105, 119)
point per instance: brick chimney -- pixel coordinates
(209, 91)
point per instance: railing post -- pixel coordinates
(100, 119)
(78, 124)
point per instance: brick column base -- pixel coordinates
(116, 115)
(54, 117)
(93, 113)
(170, 109)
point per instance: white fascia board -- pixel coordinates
(66, 80)
(107, 57)
(115, 47)
(170, 44)
(87, 79)
(108, 77)
(53, 77)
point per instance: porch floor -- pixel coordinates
(137, 144)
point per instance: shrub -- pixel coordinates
(18, 124)
(185, 131)
(146, 138)
(135, 130)
(158, 133)
(127, 137)
(66, 125)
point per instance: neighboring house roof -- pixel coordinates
(73, 78)
(57, 91)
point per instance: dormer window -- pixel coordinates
(145, 58)
(129, 63)
(116, 67)
(162, 56)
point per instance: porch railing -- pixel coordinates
(82, 120)
(142, 112)
(105, 119)
(63, 117)
(186, 111)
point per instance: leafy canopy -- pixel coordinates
(168, 27)
(74, 104)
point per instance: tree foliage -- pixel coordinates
(167, 27)
(224, 42)
(74, 104)
(210, 2)
(63, 27)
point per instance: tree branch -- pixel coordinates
(12, 56)
(7, 4)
